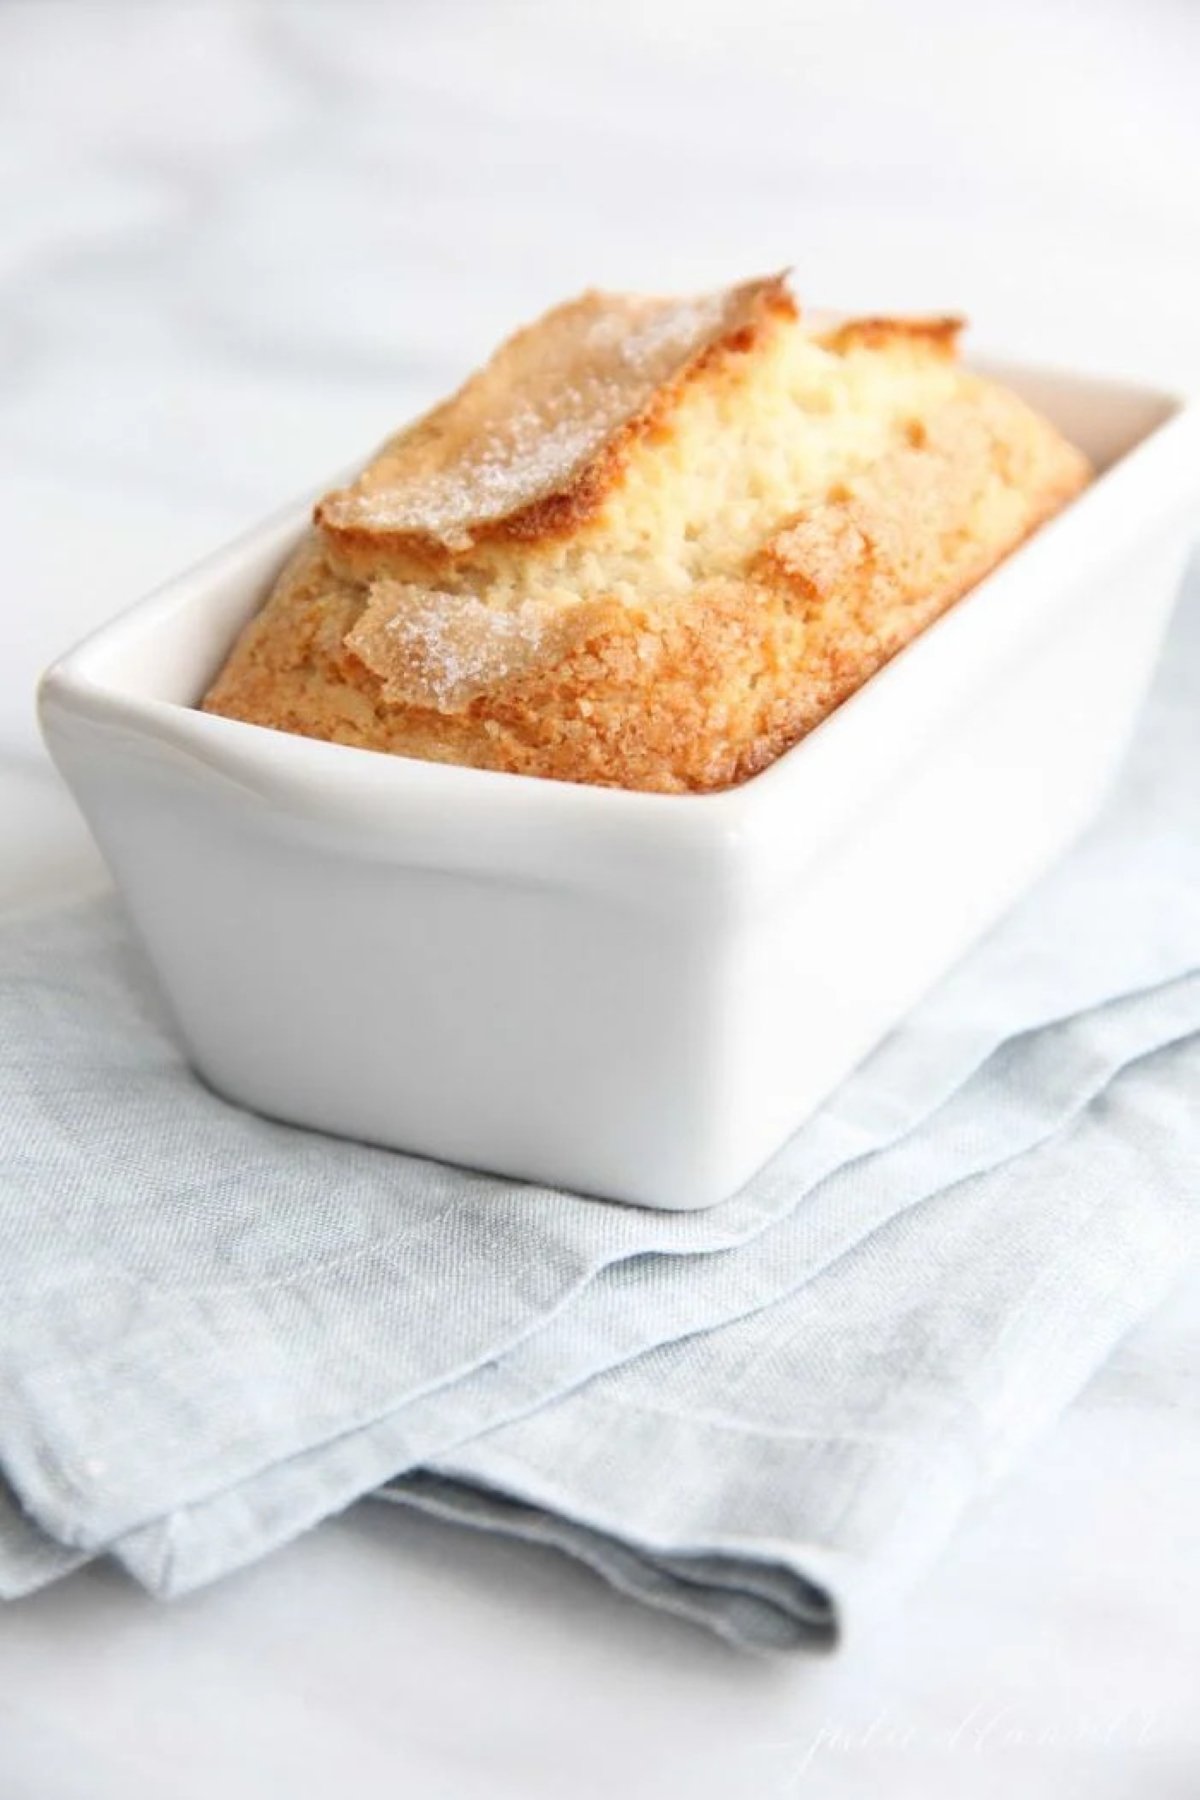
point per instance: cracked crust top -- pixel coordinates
(531, 444)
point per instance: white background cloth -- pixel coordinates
(241, 242)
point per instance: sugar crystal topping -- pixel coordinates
(527, 425)
(439, 649)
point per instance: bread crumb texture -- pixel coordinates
(651, 544)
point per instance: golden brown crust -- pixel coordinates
(681, 681)
(940, 333)
(477, 469)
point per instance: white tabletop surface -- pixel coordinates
(239, 244)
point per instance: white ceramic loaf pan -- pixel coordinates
(638, 996)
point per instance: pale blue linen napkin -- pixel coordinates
(1027, 1091)
(779, 1478)
(217, 1329)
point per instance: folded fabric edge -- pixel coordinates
(1061, 1350)
(29, 1559)
(762, 1607)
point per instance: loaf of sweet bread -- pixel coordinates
(651, 544)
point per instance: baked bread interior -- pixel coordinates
(651, 544)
